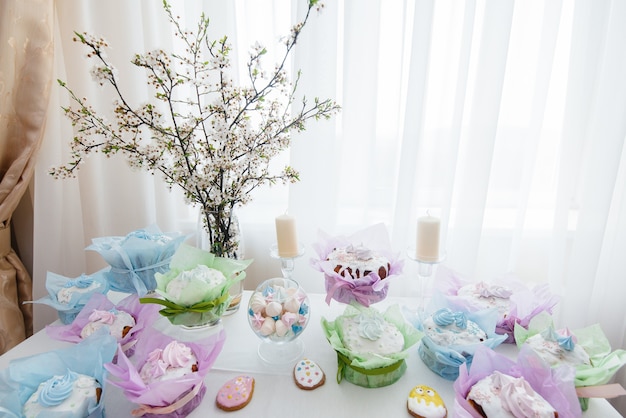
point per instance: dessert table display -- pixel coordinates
(178, 354)
(275, 391)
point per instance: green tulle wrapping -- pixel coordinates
(604, 362)
(365, 369)
(214, 300)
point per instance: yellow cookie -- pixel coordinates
(425, 402)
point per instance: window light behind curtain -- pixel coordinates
(506, 119)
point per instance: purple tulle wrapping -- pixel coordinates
(144, 315)
(555, 385)
(365, 290)
(125, 374)
(526, 302)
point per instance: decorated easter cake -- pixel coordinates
(446, 327)
(119, 323)
(77, 288)
(370, 334)
(358, 261)
(371, 346)
(483, 295)
(69, 395)
(174, 361)
(451, 337)
(558, 347)
(183, 290)
(502, 396)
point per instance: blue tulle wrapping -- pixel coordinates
(446, 360)
(23, 376)
(68, 312)
(135, 258)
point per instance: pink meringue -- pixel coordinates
(105, 317)
(177, 354)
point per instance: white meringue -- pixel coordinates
(257, 303)
(281, 328)
(268, 327)
(273, 309)
(292, 305)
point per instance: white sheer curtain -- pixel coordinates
(506, 119)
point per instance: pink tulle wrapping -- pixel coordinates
(365, 290)
(555, 385)
(144, 315)
(125, 374)
(526, 302)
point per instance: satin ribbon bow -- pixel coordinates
(361, 294)
(81, 282)
(138, 283)
(173, 309)
(343, 362)
(147, 409)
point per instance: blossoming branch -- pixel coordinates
(203, 133)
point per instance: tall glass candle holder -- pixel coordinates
(287, 264)
(425, 269)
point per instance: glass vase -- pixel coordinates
(236, 290)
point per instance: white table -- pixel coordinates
(276, 394)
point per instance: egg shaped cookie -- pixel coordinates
(308, 375)
(235, 393)
(425, 402)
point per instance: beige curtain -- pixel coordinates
(26, 52)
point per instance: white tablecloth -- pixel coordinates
(276, 394)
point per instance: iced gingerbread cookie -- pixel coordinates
(425, 402)
(236, 393)
(308, 375)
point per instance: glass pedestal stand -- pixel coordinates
(425, 270)
(287, 264)
(283, 353)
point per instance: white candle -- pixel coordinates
(427, 238)
(286, 236)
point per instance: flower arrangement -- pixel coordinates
(202, 132)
